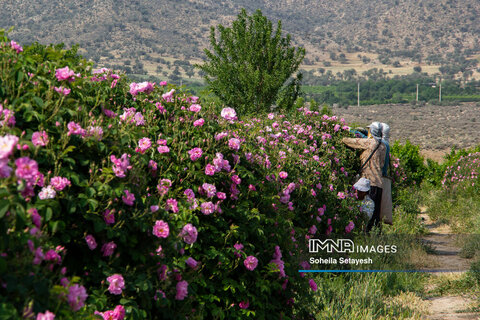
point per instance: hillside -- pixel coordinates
(151, 33)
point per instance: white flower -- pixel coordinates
(47, 193)
(229, 114)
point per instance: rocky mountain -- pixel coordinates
(149, 31)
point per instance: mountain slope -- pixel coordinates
(145, 29)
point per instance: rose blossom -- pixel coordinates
(75, 129)
(143, 145)
(250, 263)
(59, 183)
(7, 144)
(161, 229)
(92, 244)
(182, 290)
(39, 138)
(172, 205)
(195, 153)
(209, 170)
(189, 233)
(46, 316)
(5, 170)
(15, 46)
(192, 263)
(117, 283)
(47, 193)
(117, 314)
(312, 284)
(120, 165)
(108, 248)
(207, 208)
(145, 87)
(76, 297)
(229, 114)
(195, 108)
(26, 168)
(62, 90)
(198, 123)
(163, 149)
(109, 217)
(65, 74)
(349, 227)
(234, 144)
(128, 198)
(210, 189)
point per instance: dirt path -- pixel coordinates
(446, 257)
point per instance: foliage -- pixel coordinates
(94, 168)
(411, 160)
(250, 63)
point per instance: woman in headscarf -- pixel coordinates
(386, 141)
(386, 208)
(373, 160)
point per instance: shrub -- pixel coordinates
(136, 198)
(411, 160)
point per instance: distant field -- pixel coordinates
(437, 128)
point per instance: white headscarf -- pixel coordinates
(386, 132)
(376, 130)
(362, 185)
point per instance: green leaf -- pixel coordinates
(19, 76)
(57, 225)
(4, 205)
(93, 204)
(48, 214)
(99, 226)
(38, 101)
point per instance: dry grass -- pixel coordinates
(411, 301)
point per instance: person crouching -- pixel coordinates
(367, 206)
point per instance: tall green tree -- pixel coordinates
(250, 63)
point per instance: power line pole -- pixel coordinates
(358, 93)
(440, 93)
(417, 92)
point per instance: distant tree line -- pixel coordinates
(398, 90)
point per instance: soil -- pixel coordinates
(446, 257)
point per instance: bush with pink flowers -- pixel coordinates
(132, 200)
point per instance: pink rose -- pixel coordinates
(39, 138)
(117, 284)
(161, 229)
(65, 74)
(182, 290)
(189, 233)
(7, 145)
(198, 123)
(312, 284)
(92, 244)
(77, 296)
(195, 153)
(250, 263)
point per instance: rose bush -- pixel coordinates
(133, 200)
(463, 173)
